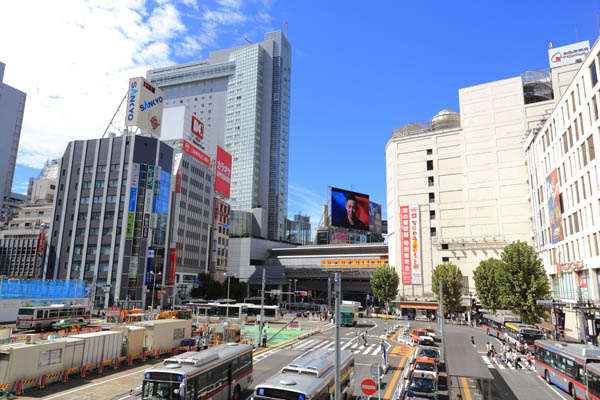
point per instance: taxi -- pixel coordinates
(425, 367)
(430, 331)
(420, 336)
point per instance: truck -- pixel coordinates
(348, 312)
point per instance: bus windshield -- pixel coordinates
(26, 311)
(160, 390)
(529, 338)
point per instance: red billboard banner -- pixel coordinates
(172, 264)
(195, 152)
(223, 174)
(405, 245)
(178, 186)
(41, 243)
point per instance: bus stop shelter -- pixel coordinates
(463, 361)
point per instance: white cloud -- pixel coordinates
(74, 61)
(305, 202)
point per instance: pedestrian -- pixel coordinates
(509, 359)
(518, 363)
(365, 338)
(473, 340)
(529, 364)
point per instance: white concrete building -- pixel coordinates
(565, 200)
(468, 177)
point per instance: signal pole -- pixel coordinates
(262, 308)
(338, 296)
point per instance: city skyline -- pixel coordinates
(481, 51)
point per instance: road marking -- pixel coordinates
(93, 384)
(344, 347)
(305, 344)
(550, 387)
(391, 387)
(466, 388)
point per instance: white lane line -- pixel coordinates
(344, 347)
(501, 366)
(303, 345)
(377, 351)
(94, 384)
(550, 387)
(368, 350)
(486, 360)
(355, 345)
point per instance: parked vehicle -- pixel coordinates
(43, 316)
(68, 323)
(430, 331)
(429, 352)
(420, 336)
(426, 367)
(420, 387)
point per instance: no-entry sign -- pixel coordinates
(368, 387)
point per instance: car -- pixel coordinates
(430, 331)
(426, 367)
(420, 387)
(419, 336)
(68, 323)
(429, 352)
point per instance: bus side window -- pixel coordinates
(192, 386)
(53, 313)
(581, 374)
(40, 314)
(45, 313)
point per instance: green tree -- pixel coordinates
(208, 288)
(451, 279)
(384, 283)
(486, 283)
(522, 280)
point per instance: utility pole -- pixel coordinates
(338, 295)
(227, 312)
(262, 308)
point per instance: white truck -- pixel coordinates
(348, 312)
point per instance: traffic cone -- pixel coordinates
(64, 376)
(143, 355)
(43, 382)
(20, 388)
(100, 367)
(130, 360)
(156, 354)
(174, 351)
(116, 364)
(83, 371)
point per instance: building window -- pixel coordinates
(84, 200)
(444, 246)
(98, 199)
(99, 184)
(114, 167)
(86, 184)
(429, 152)
(591, 149)
(429, 165)
(101, 168)
(430, 181)
(432, 231)
(445, 259)
(113, 183)
(431, 214)
(432, 197)
(88, 170)
(593, 73)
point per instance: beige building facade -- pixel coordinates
(563, 177)
(468, 176)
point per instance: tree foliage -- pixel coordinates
(210, 289)
(486, 283)
(384, 283)
(522, 280)
(451, 279)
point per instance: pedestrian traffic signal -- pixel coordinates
(301, 293)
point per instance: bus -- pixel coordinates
(236, 311)
(593, 381)
(41, 317)
(220, 372)
(309, 376)
(271, 313)
(494, 324)
(565, 364)
(522, 336)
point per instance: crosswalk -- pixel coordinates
(493, 365)
(372, 348)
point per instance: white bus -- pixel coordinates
(271, 312)
(221, 372)
(309, 376)
(41, 317)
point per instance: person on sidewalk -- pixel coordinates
(509, 359)
(518, 362)
(365, 338)
(472, 340)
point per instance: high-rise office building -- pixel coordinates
(110, 220)
(12, 107)
(298, 230)
(41, 189)
(242, 96)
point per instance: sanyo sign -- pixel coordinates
(144, 106)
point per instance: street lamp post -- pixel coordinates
(295, 282)
(154, 285)
(227, 308)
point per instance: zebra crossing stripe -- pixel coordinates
(344, 347)
(305, 344)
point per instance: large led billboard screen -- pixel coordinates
(375, 217)
(349, 209)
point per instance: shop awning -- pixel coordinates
(419, 305)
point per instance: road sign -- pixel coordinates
(368, 387)
(375, 369)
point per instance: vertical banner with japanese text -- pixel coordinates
(415, 245)
(405, 245)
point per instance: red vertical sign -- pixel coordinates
(223, 174)
(41, 243)
(405, 245)
(172, 264)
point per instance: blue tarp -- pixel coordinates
(39, 289)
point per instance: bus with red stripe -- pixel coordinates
(494, 325)
(42, 317)
(521, 336)
(593, 381)
(566, 365)
(221, 372)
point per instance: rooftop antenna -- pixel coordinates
(247, 40)
(550, 45)
(286, 28)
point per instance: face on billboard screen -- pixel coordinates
(223, 175)
(349, 209)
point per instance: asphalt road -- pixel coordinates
(508, 384)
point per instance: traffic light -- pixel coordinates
(301, 293)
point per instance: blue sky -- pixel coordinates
(358, 70)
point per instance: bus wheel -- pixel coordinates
(547, 376)
(236, 393)
(572, 392)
